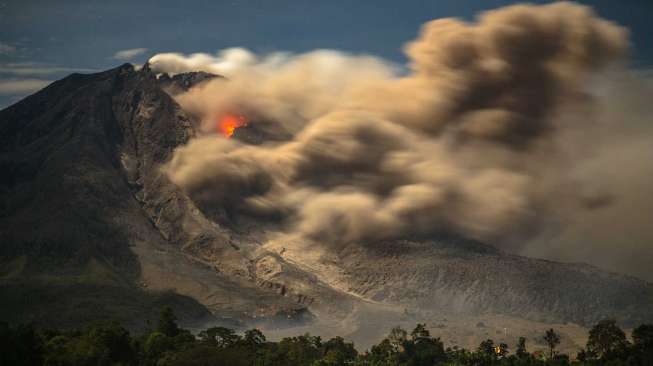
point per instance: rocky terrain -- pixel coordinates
(85, 209)
(90, 225)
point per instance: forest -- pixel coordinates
(165, 343)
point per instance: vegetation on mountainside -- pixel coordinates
(167, 344)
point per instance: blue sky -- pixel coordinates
(41, 41)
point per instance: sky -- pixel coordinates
(42, 41)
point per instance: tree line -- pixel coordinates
(167, 344)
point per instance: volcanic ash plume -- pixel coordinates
(493, 134)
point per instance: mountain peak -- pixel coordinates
(86, 201)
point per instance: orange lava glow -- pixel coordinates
(229, 123)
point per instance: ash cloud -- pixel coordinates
(515, 129)
(291, 90)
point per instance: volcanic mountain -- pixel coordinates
(92, 228)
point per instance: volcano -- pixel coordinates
(91, 227)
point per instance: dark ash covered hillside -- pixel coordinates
(80, 189)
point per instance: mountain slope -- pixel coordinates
(87, 214)
(82, 198)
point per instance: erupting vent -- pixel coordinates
(229, 123)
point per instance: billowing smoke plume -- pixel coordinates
(500, 131)
(286, 89)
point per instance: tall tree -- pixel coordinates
(110, 342)
(643, 344)
(643, 336)
(607, 340)
(521, 351)
(501, 350)
(337, 352)
(552, 340)
(168, 322)
(397, 338)
(488, 349)
(422, 349)
(254, 337)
